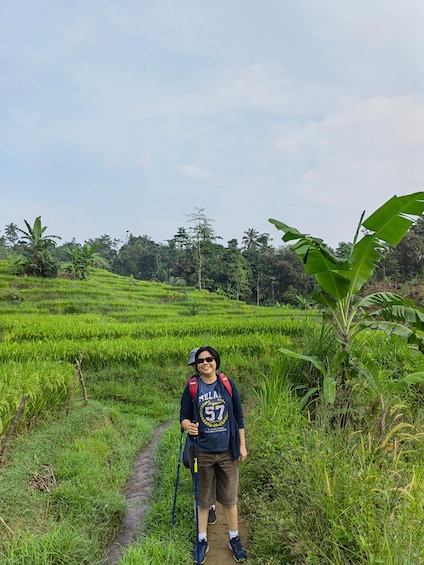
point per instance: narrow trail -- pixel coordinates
(139, 491)
(219, 552)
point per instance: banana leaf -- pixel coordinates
(338, 278)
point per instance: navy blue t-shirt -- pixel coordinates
(214, 431)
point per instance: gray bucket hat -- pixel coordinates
(193, 356)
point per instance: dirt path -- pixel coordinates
(219, 552)
(139, 491)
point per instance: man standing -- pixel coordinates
(211, 411)
(212, 509)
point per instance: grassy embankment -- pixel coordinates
(312, 492)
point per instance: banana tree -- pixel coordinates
(340, 280)
(34, 237)
(83, 259)
(37, 245)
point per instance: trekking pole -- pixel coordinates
(177, 478)
(196, 493)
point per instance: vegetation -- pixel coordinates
(36, 258)
(312, 491)
(82, 260)
(341, 279)
(253, 270)
(335, 483)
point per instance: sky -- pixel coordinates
(128, 116)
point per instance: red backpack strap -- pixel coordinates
(226, 382)
(193, 386)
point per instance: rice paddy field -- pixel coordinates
(47, 324)
(97, 365)
(132, 341)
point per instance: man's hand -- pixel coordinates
(243, 453)
(193, 429)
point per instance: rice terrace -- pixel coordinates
(92, 369)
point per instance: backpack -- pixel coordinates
(193, 384)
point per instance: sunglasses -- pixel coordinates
(206, 359)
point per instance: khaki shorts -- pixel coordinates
(218, 478)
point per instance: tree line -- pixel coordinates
(253, 270)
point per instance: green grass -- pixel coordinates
(90, 452)
(312, 492)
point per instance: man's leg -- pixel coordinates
(203, 519)
(236, 545)
(231, 517)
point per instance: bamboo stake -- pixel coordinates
(81, 378)
(11, 430)
(71, 392)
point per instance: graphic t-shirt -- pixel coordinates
(214, 430)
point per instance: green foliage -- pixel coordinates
(82, 260)
(46, 383)
(8, 295)
(274, 387)
(36, 260)
(341, 279)
(90, 453)
(60, 545)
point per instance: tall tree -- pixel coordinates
(238, 273)
(250, 239)
(139, 257)
(106, 247)
(3, 247)
(343, 250)
(182, 238)
(256, 252)
(202, 232)
(410, 255)
(289, 278)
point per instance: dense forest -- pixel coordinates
(252, 270)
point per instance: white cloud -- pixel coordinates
(195, 172)
(355, 158)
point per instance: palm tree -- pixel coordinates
(250, 240)
(11, 232)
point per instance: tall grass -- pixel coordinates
(46, 383)
(322, 495)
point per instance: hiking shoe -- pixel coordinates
(203, 549)
(239, 552)
(211, 516)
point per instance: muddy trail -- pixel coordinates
(139, 491)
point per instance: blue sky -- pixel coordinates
(126, 115)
